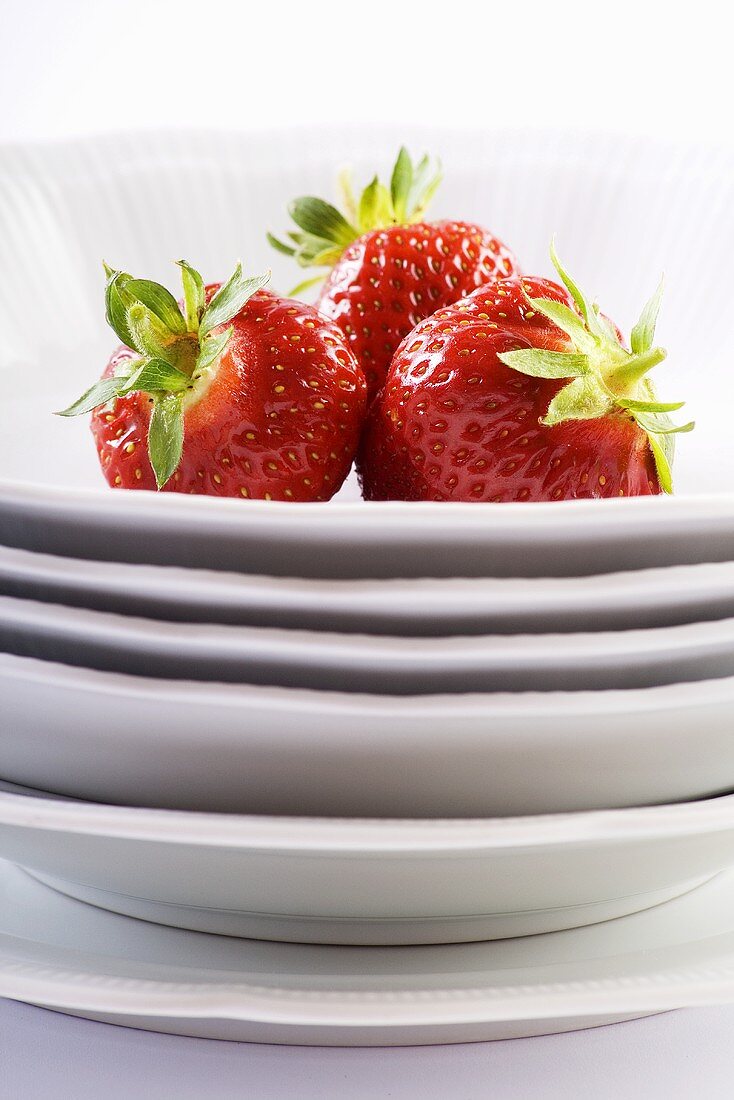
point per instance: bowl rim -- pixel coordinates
(170, 508)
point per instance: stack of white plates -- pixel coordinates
(427, 752)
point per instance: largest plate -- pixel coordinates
(355, 881)
(71, 957)
(143, 200)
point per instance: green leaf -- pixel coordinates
(606, 375)
(324, 231)
(401, 184)
(583, 399)
(153, 376)
(325, 258)
(321, 219)
(368, 205)
(663, 451)
(661, 433)
(421, 199)
(659, 425)
(229, 299)
(375, 206)
(212, 347)
(99, 394)
(585, 307)
(116, 307)
(280, 246)
(649, 406)
(643, 334)
(160, 302)
(151, 337)
(194, 295)
(148, 376)
(423, 188)
(420, 175)
(566, 320)
(596, 324)
(606, 327)
(305, 285)
(165, 436)
(308, 248)
(546, 364)
(346, 191)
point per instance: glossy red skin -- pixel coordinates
(390, 279)
(258, 430)
(454, 423)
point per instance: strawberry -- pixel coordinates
(522, 391)
(389, 268)
(242, 394)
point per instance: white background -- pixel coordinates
(634, 66)
(78, 66)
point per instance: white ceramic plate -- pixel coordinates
(366, 881)
(360, 540)
(74, 958)
(142, 200)
(646, 598)
(278, 750)
(358, 662)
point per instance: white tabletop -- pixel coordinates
(671, 1057)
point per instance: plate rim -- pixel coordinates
(39, 811)
(655, 990)
(658, 992)
(35, 497)
(657, 699)
(294, 645)
(38, 564)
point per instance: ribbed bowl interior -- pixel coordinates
(623, 211)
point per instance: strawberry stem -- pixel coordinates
(623, 378)
(171, 348)
(604, 377)
(324, 232)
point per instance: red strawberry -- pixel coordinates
(523, 391)
(390, 268)
(270, 406)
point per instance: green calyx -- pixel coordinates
(176, 348)
(604, 377)
(324, 232)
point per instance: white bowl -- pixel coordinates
(249, 749)
(330, 661)
(359, 881)
(642, 598)
(623, 210)
(245, 749)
